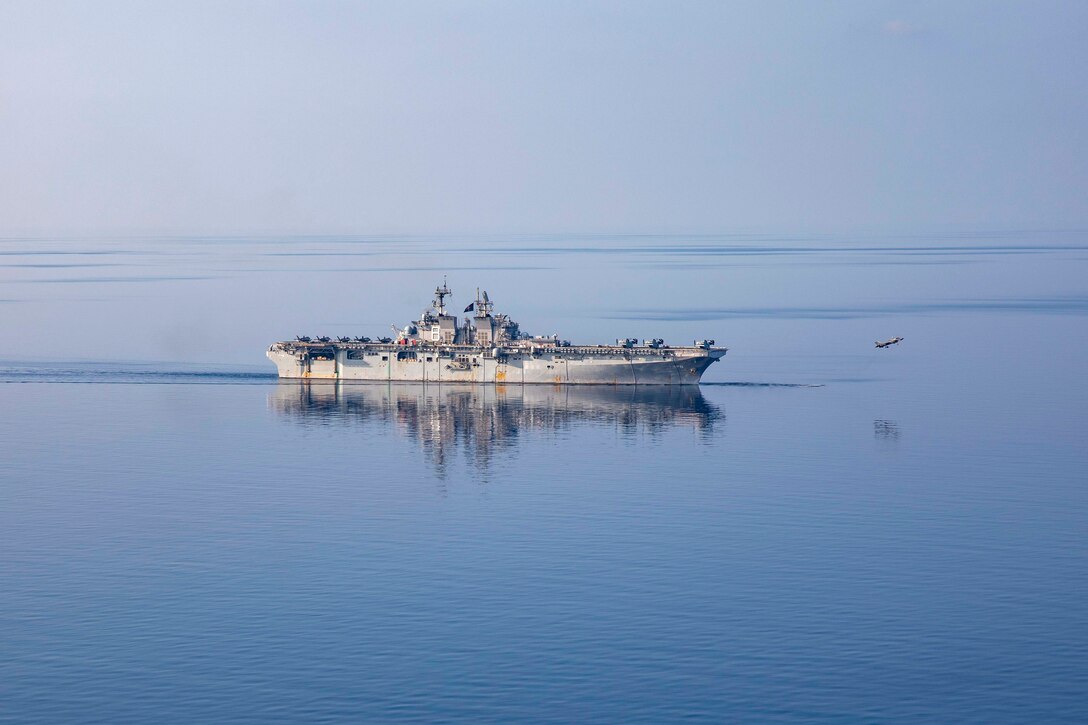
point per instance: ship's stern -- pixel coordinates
(287, 362)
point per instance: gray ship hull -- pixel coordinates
(561, 365)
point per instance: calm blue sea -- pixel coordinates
(823, 531)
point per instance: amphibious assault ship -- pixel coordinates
(488, 347)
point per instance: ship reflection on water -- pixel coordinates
(484, 420)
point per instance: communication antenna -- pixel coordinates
(440, 294)
(483, 304)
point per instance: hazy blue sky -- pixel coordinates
(203, 117)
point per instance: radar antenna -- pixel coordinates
(483, 304)
(440, 294)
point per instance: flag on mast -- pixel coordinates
(470, 306)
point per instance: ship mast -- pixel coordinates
(440, 294)
(483, 304)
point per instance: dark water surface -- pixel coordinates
(824, 532)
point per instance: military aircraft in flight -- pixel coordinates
(886, 343)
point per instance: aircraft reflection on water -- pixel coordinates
(482, 420)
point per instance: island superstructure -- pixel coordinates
(488, 347)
